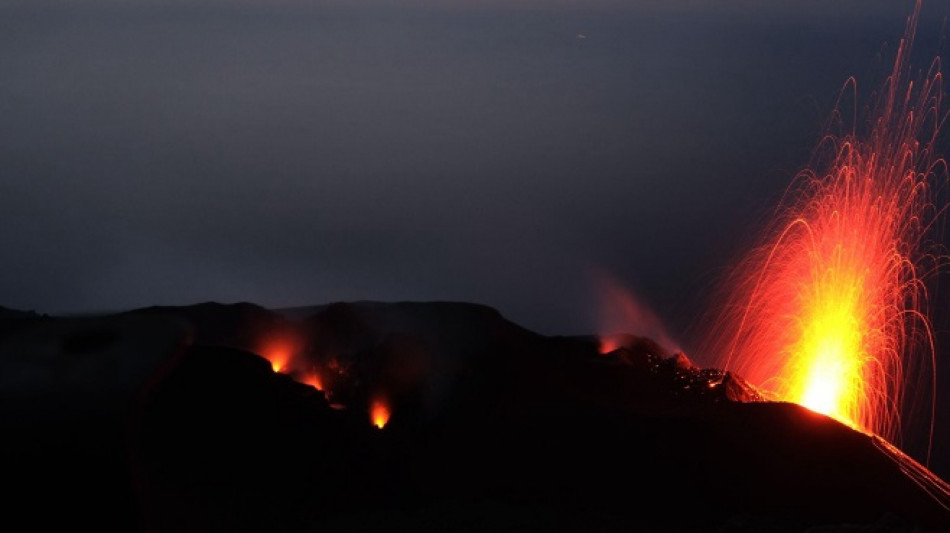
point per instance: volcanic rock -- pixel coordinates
(681, 362)
(643, 361)
(491, 426)
(6, 314)
(226, 444)
(243, 325)
(736, 389)
(13, 321)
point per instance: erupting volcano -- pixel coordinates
(830, 312)
(313, 158)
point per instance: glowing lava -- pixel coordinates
(826, 362)
(313, 379)
(282, 352)
(830, 312)
(279, 357)
(379, 413)
(608, 344)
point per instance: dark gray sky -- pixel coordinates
(293, 152)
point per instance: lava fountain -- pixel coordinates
(830, 310)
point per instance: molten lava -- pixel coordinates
(279, 357)
(379, 413)
(840, 335)
(830, 312)
(311, 378)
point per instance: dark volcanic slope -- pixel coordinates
(492, 427)
(241, 325)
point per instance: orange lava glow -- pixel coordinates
(830, 311)
(379, 413)
(281, 352)
(279, 358)
(313, 379)
(609, 344)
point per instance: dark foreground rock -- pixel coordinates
(492, 427)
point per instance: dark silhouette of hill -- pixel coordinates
(6, 314)
(240, 325)
(128, 421)
(12, 320)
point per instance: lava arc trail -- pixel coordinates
(830, 311)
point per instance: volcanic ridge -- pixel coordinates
(432, 416)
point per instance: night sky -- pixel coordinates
(506, 153)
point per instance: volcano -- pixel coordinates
(429, 416)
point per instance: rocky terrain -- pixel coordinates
(238, 418)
